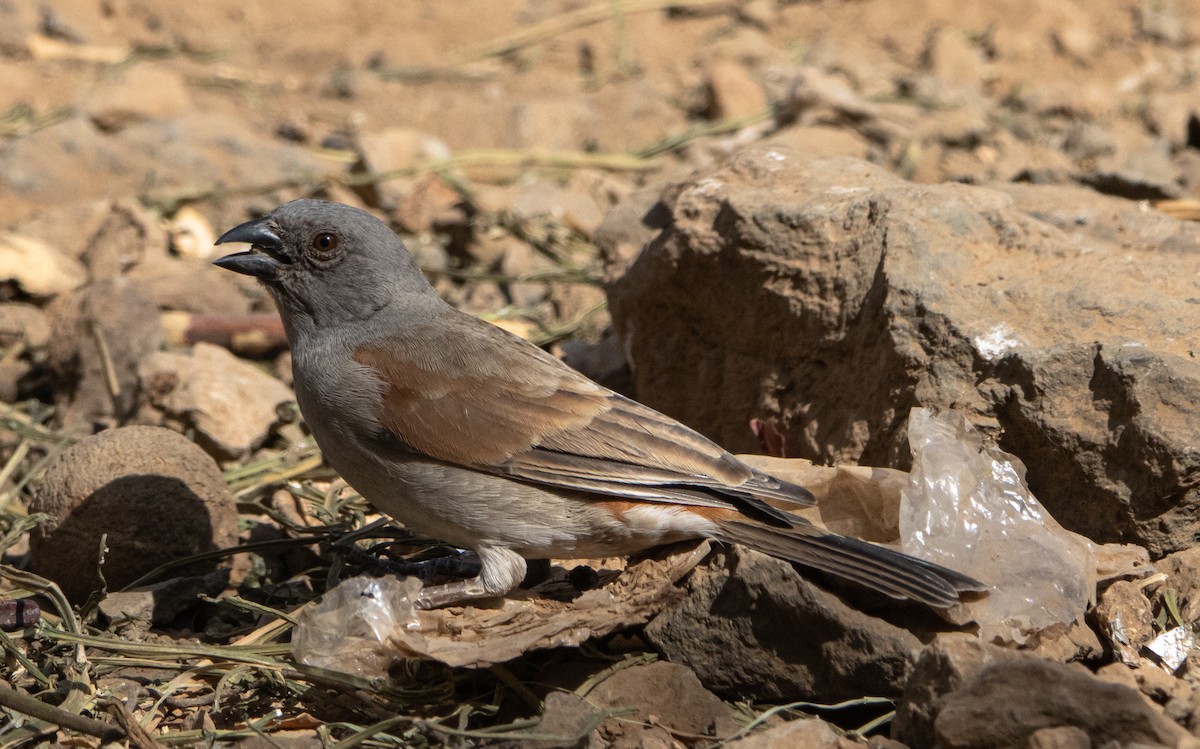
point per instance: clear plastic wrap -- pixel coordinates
(967, 506)
(351, 629)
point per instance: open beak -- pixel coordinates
(265, 255)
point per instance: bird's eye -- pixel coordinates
(325, 242)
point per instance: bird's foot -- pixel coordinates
(500, 571)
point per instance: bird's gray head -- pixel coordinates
(326, 263)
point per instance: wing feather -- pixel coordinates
(483, 398)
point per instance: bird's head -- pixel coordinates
(325, 263)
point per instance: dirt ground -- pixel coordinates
(494, 136)
(1044, 75)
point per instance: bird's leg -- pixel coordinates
(501, 570)
(466, 565)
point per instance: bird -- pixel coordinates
(465, 432)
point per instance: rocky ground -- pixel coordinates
(785, 224)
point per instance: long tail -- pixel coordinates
(891, 572)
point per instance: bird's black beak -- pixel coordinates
(265, 255)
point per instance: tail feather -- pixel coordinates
(890, 572)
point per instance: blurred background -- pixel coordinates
(496, 135)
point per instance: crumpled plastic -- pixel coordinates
(967, 507)
(350, 628)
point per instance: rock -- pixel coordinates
(1077, 41)
(861, 295)
(18, 21)
(127, 237)
(667, 696)
(753, 628)
(952, 57)
(628, 227)
(231, 404)
(1061, 97)
(751, 47)
(1147, 174)
(23, 322)
(760, 13)
(1006, 704)
(1115, 561)
(37, 268)
(100, 335)
(24, 333)
(204, 150)
(74, 161)
(540, 199)
(1060, 737)
(645, 109)
(945, 666)
(73, 22)
(160, 602)
(67, 226)
(522, 260)
(1087, 141)
(1161, 687)
(13, 373)
(1173, 117)
(68, 162)
(567, 715)
(553, 122)
(156, 495)
(192, 236)
(396, 149)
(1126, 619)
(297, 739)
(1019, 160)
(821, 140)
(581, 308)
(957, 674)
(428, 204)
(1075, 642)
(1183, 576)
(1117, 673)
(171, 284)
(137, 93)
(481, 298)
(1192, 721)
(810, 733)
(399, 148)
(733, 94)
(962, 127)
(603, 362)
(1161, 22)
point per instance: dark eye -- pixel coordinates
(325, 242)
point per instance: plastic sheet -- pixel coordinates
(351, 628)
(967, 506)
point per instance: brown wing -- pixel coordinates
(481, 397)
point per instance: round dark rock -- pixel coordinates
(155, 494)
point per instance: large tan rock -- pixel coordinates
(232, 405)
(848, 296)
